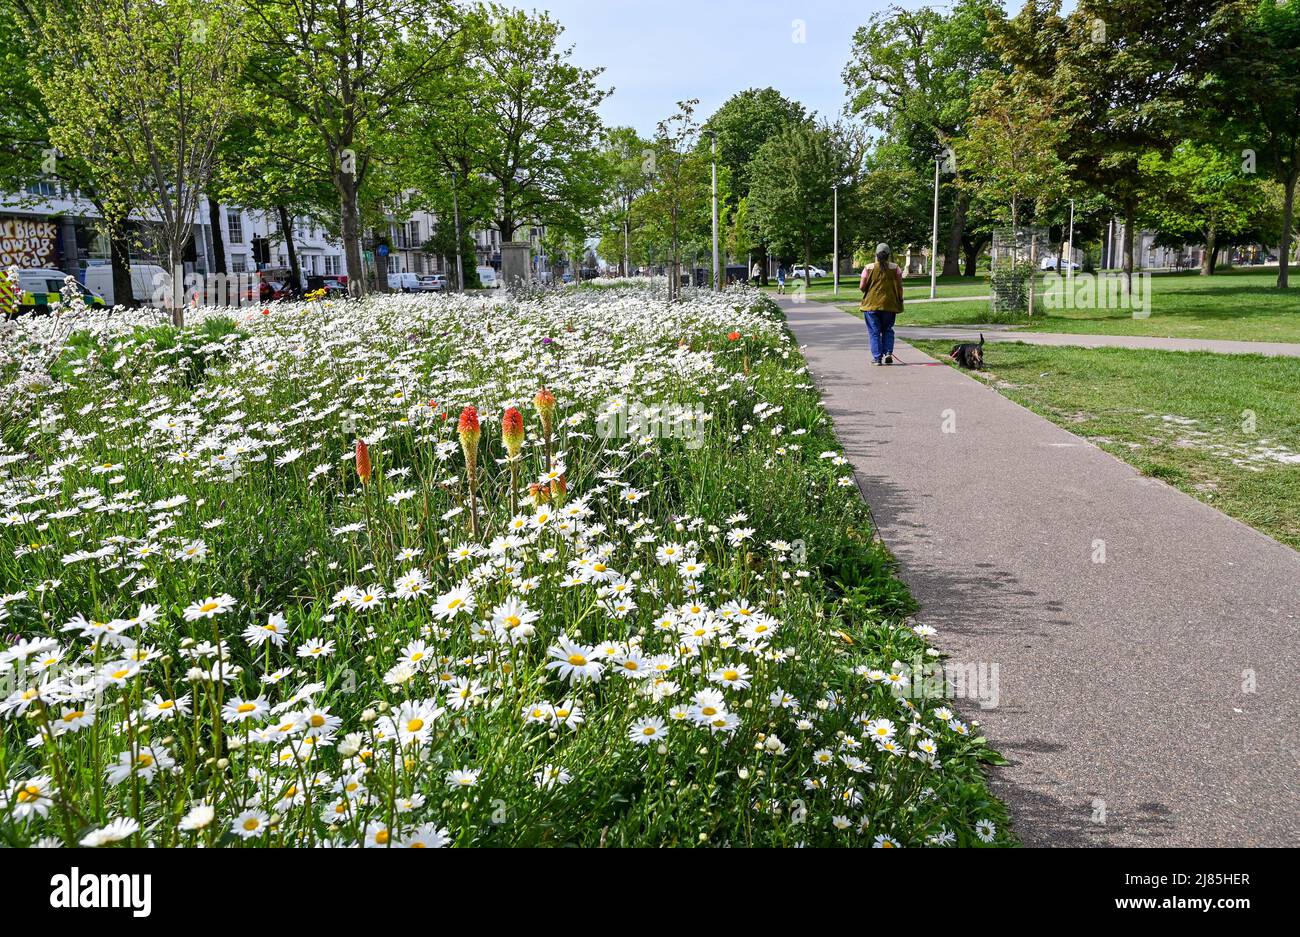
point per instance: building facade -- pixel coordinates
(47, 226)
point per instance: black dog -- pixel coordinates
(969, 355)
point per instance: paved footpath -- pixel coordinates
(1219, 346)
(1150, 699)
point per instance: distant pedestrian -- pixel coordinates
(756, 274)
(780, 280)
(882, 303)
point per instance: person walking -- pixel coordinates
(882, 303)
(756, 274)
(780, 280)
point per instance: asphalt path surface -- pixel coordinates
(1146, 644)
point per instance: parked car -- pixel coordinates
(148, 282)
(433, 283)
(1049, 263)
(488, 277)
(404, 282)
(38, 289)
(815, 273)
(332, 287)
(270, 291)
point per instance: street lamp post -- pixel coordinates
(934, 236)
(835, 260)
(717, 280)
(1069, 251)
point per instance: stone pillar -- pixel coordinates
(516, 264)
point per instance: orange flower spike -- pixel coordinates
(559, 490)
(734, 336)
(545, 404)
(364, 469)
(512, 432)
(469, 432)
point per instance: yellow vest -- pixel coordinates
(884, 292)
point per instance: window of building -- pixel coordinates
(235, 225)
(238, 263)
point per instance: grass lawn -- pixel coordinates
(1242, 305)
(1184, 418)
(822, 291)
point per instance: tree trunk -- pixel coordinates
(762, 261)
(1288, 220)
(350, 232)
(218, 235)
(971, 249)
(119, 252)
(177, 297)
(286, 230)
(1207, 257)
(952, 256)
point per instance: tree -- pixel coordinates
(677, 204)
(27, 153)
(894, 201)
(912, 74)
(1260, 86)
(1010, 153)
(626, 171)
(743, 124)
(792, 191)
(519, 112)
(1200, 194)
(269, 161)
(348, 71)
(157, 75)
(1124, 78)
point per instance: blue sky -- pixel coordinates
(658, 52)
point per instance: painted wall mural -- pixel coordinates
(26, 242)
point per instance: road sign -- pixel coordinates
(382, 250)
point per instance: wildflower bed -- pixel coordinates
(584, 568)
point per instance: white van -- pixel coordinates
(405, 282)
(488, 277)
(147, 282)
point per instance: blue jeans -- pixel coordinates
(880, 326)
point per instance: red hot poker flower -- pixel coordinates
(469, 432)
(512, 431)
(363, 462)
(545, 404)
